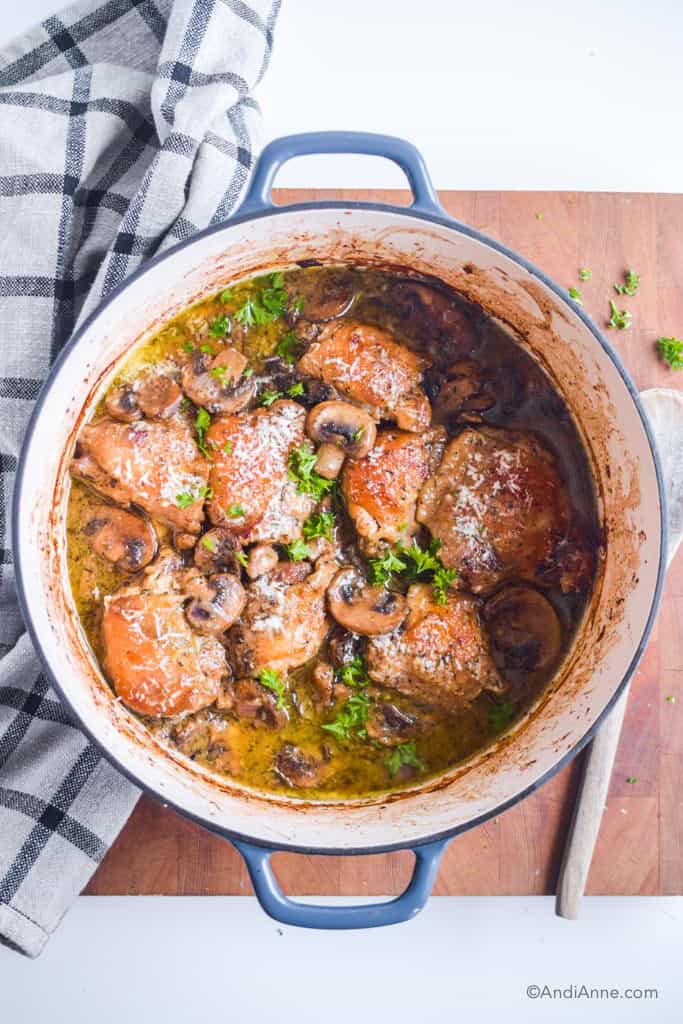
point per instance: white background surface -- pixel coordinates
(497, 95)
(220, 961)
(536, 94)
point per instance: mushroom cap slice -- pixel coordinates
(218, 383)
(343, 424)
(325, 295)
(122, 404)
(366, 610)
(216, 603)
(158, 397)
(125, 539)
(524, 628)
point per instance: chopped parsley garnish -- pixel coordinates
(236, 511)
(631, 780)
(242, 558)
(189, 347)
(225, 295)
(631, 286)
(413, 563)
(404, 753)
(185, 403)
(320, 524)
(500, 716)
(249, 372)
(352, 673)
(297, 551)
(271, 680)
(227, 448)
(575, 294)
(201, 425)
(208, 349)
(269, 305)
(620, 318)
(298, 304)
(187, 498)
(266, 398)
(296, 389)
(350, 720)
(585, 274)
(209, 543)
(538, 216)
(382, 569)
(286, 347)
(301, 470)
(671, 351)
(219, 327)
(671, 699)
(220, 373)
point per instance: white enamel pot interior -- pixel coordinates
(419, 239)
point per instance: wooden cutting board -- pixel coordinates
(640, 850)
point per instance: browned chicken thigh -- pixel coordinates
(439, 656)
(159, 666)
(497, 505)
(366, 365)
(381, 490)
(253, 496)
(283, 624)
(153, 464)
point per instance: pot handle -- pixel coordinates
(315, 915)
(258, 198)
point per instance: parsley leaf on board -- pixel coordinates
(575, 294)
(585, 274)
(631, 286)
(671, 351)
(620, 318)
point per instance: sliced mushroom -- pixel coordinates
(215, 551)
(329, 461)
(524, 628)
(299, 769)
(123, 538)
(388, 725)
(262, 559)
(369, 611)
(342, 424)
(121, 404)
(216, 603)
(158, 397)
(218, 383)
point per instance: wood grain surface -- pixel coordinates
(640, 850)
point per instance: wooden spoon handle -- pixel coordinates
(590, 803)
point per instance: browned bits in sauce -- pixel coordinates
(330, 532)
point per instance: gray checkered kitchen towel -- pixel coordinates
(125, 126)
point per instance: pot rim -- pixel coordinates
(417, 214)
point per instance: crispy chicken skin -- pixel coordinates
(283, 624)
(159, 666)
(148, 463)
(381, 490)
(439, 656)
(366, 365)
(253, 496)
(498, 507)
